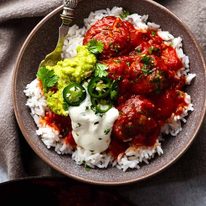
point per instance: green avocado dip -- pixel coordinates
(55, 78)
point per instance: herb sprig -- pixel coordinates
(95, 47)
(124, 14)
(47, 77)
(100, 70)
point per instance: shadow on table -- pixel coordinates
(57, 192)
(182, 184)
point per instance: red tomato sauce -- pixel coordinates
(149, 89)
(61, 124)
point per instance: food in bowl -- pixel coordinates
(117, 91)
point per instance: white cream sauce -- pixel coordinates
(92, 131)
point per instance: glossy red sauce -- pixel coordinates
(149, 89)
(116, 147)
(61, 124)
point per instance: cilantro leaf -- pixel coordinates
(124, 14)
(95, 47)
(100, 70)
(47, 77)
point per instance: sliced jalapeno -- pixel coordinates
(101, 105)
(99, 87)
(74, 94)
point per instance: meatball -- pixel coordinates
(113, 33)
(135, 76)
(136, 121)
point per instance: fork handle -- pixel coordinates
(67, 15)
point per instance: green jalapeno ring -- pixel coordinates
(74, 94)
(99, 87)
(101, 105)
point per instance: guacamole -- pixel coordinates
(75, 69)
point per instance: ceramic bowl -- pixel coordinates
(43, 39)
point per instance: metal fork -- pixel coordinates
(67, 17)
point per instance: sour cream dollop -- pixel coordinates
(92, 131)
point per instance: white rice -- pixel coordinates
(91, 159)
(37, 103)
(132, 157)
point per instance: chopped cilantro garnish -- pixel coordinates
(86, 167)
(150, 50)
(119, 79)
(128, 64)
(47, 77)
(117, 60)
(124, 14)
(116, 49)
(113, 94)
(106, 131)
(157, 78)
(138, 49)
(146, 60)
(153, 33)
(110, 43)
(157, 81)
(101, 115)
(95, 46)
(154, 50)
(146, 71)
(100, 70)
(78, 124)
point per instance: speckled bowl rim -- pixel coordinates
(43, 157)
